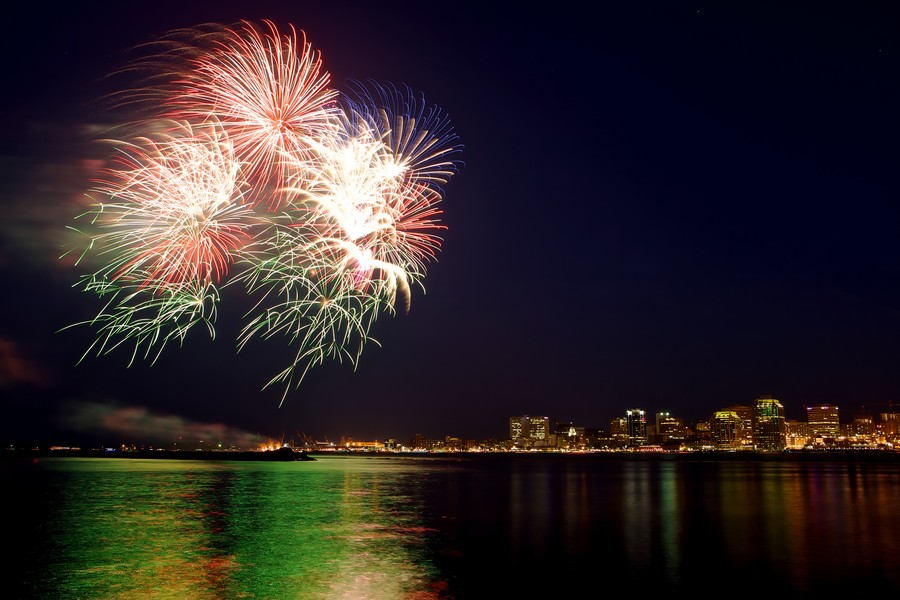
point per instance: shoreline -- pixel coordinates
(288, 454)
(280, 455)
(843, 455)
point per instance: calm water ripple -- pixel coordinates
(418, 528)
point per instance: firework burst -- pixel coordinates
(418, 136)
(351, 240)
(323, 205)
(170, 211)
(268, 90)
(167, 223)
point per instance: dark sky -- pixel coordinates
(667, 205)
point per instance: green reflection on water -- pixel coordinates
(193, 529)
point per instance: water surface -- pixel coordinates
(390, 527)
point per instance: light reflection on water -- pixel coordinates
(128, 528)
(397, 528)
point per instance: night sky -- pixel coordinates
(672, 206)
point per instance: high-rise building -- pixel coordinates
(863, 423)
(703, 434)
(744, 429)
(668, 428)
(636, 426)
(768, 424)
(595, 437)
(662, 417)
(527, 430)
(673, 429)
(725, 425)
(516, 427)
(618, 431)
(823, 421)
(890, 423)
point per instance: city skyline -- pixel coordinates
(129, 427)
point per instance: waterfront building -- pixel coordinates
(420, 443)
(702, 436)
(595, 437)
(863, 424)
(889, 423)
(725, 425)
(768, 424)
(529, 431)
(636, 427)
(568, 437)
(674, 432)
(796, 434)
(618, 432)
(351, 444)
(744, 429)
(662, 418)
(669, 428)
(823, 421)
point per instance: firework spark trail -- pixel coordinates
(420, 146)
(149, 320)
(272, 96)
(375, 201)
(324, 205)
(320, 313)
(419, 136)
(170, 221)
(358, 231)
(174, 212)
(352, 199)
(267, 89)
